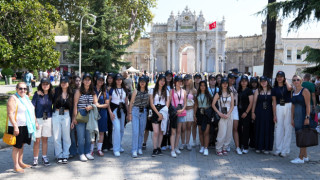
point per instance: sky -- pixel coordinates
(239, 15)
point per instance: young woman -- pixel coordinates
(218, 78)
(202, 103)
(213, 89)
(235, 113)
(43, 111)
(191, 93)
(225, 100)
(159, 98)
(83, 100)
(103, 103)
(178, 98)
(254, 84)
(197, 78)
(281, 103)
(245, 101)
(138, 115)
(118, 110)
(262, 115)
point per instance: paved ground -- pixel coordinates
(188, 165)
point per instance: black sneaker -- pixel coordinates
(59, 161)
(64, 161)
(154, 153)
(159, 152)
(144, 146)
(45, 161)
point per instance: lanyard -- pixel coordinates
(265, 95)
(224, 101)
(141, 96)
(202, 100)
(117, 92)
(179, 97)
(282, 91)
(45, 102)
(211, 91)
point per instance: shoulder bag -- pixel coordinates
(10, 139)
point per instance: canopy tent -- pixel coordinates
(132, 70)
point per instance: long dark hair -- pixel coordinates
(146, 88)
(206, 92)
(163, 90)
(261, 88)
(218, 75)
(276, 82)
(107, 84)
(58, 92)
(220, 89)
(123, 86)
(251, 87)
(90, 90)
(240, 86)
(170, 83)
(50, 92)
(103, 88)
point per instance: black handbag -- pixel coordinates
(306, 137)
(173, 117)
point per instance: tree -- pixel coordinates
(312, 57)
(25, 38)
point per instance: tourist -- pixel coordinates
(159, 99)
(128, 83)
(83, 100)
(218, 78)
(22, 124)
(213, 89)
(202, 103)
(254, 84)
(225, 100)
(245, 100)
(197, 79)
(28, 79)
(281, 103)
(138, 115)
(107, 140)
(43, 111)
(118, 109)
(311, 87)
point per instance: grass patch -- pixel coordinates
(2, 82)
(3, 116)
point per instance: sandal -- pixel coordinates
(18, 170)
(225, 152)
(25, 166)
(219, 153)
(100, 153)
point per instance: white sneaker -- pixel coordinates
(306, 159)
(266, 152)
(121, 150)
(193, 144)
(297, 161)
(178, 151)
(173, 154)
(181, 147)
(140, 152)
(228, 149)
(164, 148)
(283, 155)
(276, 153)
(201, 150)
(245, 151)
(238, 150)
(89, 156)
(258, 151)
(189, 147)
(206, 152)
(117, 154)
(134, 154)
(83, 158)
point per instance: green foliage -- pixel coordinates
(7, 72)
(313, 56)
(61, 29)
(36, 74)
(25, 38)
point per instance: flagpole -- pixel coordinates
(217, 57)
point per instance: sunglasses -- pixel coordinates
(22, 89)
(294, 80)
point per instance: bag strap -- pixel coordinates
(174, 102)
(15, 118)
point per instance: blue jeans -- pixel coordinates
(73, 148)
(139, 121)
(84, 140)
(118, 130)
(61, 134)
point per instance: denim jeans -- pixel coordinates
(73, 148)
(139, 121)
(84, 140)
(61, 134)
(118, 130)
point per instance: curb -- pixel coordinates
(3, 145)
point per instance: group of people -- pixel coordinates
(90, 110)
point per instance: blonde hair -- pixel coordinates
(298, 77)
(18, 85)
(191, 84)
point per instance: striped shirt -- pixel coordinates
(85, 100)
(142, 99)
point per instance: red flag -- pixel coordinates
(213, 25)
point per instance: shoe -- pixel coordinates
(134, 154)
(35, 162)
(59, 160)
(225, 152)
(140, 152)
(144, 146)
(283, 155)
(258, 151)
(189, 147)
(228, 149)
(164, 148)
(82, 157)
(193, 144)
(276, 154)
(121, 150)
(173, 154)
(219, 153)
(266, 152)
(92, 153)
(154, 153)
(306, 159)
(297, 161)
(181, 147)
(178, 151)
(18, 170)
(71, 156)
(105, 150)
(201, 149)
(206, 152)
(245, 151)
(64, 161)
(117, 154)
(45, 161)
(100, 153)
(159, 152)
(89, 156)
(238, 150)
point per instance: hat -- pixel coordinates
(168, 72)
(86, 75)
(118, 76)
(100, 76)
(96, 74)
(212, 76)
(67, 74)
(143, 78)
(230, 75)
(224, 79)
(253, 79)
(177, 78)
(45, 80)
(234, 70)
(111, 75)
(161, 76)
(203, 81)
(187, 77)
(244, 77)
(64, 79)
(197, 75)
(281, 73)
(263, 78)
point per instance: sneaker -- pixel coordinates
(35, 162)
(154, 153)
(89, 156)
(64, 161)
(201, 150)
(181, 147)
(121, 150)
(144, 146)
(276, 154)
(92, 153)
(297, 161)
(245, 151)
(159, 152)
(193, 144)
(45, 161)
(283, 155)
(140, 152)
(258, 151)
(164, 148)
(105, 150)
(178, 151)
(219, 153)
(266, 152)
(134, 154)
(238, 150)
(189, 147)
(71, 156)
(224, 152)
(306, 159)
(82, 157)
(206, 152)
(173, 154)
(228, 149)
(100, 153)
(59, 160)
(117, 154)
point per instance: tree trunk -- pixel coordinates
(270, 45)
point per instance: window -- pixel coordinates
(289, 55)
(298, 55)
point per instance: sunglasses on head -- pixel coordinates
(294, 80)
(22, 89)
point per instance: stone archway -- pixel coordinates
(211, 60)
(160, 61)
(187, 59)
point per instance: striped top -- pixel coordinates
(142, 99)
(85, 100)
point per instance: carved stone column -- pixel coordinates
(168, 55)
(198, 56)
(173, 55)
(203, 59)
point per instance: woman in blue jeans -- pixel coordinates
(118, 106)
(83, 99)
(138, 115)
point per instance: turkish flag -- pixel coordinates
(213, 25)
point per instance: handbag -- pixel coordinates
(10, 139)
(82, 116)
(306, 137)
(184, 113)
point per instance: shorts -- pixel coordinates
(189, 117)
(181, 119)
(45, 128)
(149, 126)
(29, 89)
(235, 113)
(22, 138)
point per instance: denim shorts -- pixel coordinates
(182, 119)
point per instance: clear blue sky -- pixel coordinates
(239, 15)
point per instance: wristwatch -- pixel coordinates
(307, 117)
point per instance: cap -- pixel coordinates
(244, 77)
(168, 72)
(253, 79)
(96, 74)
(118, 76)
(111, 75)
(86, 75)
(143, 78)
(177, 78)
(281, 73)
(230, 75)
(161, 76)
(212, 76)
(234, 70)
(64, 79)
(263, 78)
(67, 74)
(45, 80)
(197, 75)
(187, 77)
(202, 81)
(100, 76)
(224, 80)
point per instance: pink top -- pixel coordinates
(178, 95)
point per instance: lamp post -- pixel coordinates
(91, 32)
(222, 62)
(149, 58)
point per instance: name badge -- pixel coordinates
(179, 106)
(224, 110)
(282, 102)
(45, 116)
(265, 104)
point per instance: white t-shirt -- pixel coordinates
(117, 95)
(156, 100)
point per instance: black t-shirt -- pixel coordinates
(281, 92)
(243, 99)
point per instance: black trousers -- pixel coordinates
(252, 135)
(107, 141)
(244, 131)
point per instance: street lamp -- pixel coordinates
(90, 33)
(222, 61)
(149, 58)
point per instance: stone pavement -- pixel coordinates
(188, 165)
